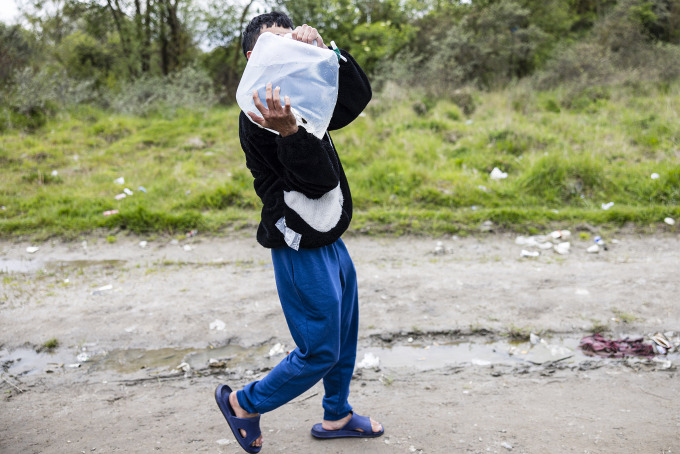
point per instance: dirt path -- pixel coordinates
(449, 379)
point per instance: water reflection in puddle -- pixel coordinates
(25, 361)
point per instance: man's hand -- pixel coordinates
(308, 34)
(276, 117)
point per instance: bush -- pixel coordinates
(187, 88)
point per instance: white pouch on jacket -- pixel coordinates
(307, 74)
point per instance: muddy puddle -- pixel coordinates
(415, 355)
(9, 266)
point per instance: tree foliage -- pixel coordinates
(440, 45)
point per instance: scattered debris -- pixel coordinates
(655, 176)
(55, 173)
(534, 338)
(526, 253)
(142, 188)
(663, 343)
(597, 345)
(184, 367)
(369, 361)
(143, 244)
(128, 191)
(32, 249)
(119, 180)
(277, 349)
(563, 248)
(498, 174)
(192, 233)
(606, 206)
(560, 235)
(102, 289)
(594, 249)
(223, 441)
(218, 325)
(507, 446)
(669, 221)
(110, 212)
(120, 196)
(188, 247)
(11, 384)
(83, 357)
(487, 226)
(216, 364)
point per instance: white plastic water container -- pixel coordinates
(307, 74)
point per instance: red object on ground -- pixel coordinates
(596, 345)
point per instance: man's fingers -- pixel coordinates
(258, 103)
(256, 119)
(286, 106)
(309, 35)
(268, 97)
(296, 32)
(277, 99)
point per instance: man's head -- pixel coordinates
(275, 22)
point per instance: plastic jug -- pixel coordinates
(307, 74)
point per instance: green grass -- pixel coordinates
(412, 170)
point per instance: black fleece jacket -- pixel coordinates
(307, 169)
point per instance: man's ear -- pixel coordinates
(248, 54)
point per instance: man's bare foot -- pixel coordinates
(241, 413)
(340, 423)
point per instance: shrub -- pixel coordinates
(187, 88)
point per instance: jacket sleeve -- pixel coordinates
(302, 161)
(354, 93)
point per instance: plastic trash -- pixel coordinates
(119, 180)
(669, 221)
(497, 174)
(563, 248)
(102, 289)
(526, 253)
(308, 75)
(128, 191)
(277, 349)
(120, 196)
(594, 249)
(32, 249)
(55, 173)
(654, 176)
(110, 212)
(606, 206)
(218, 325)
(369, 361)
(143, 244)
(142, 188)
(560, 235)
(187, 247)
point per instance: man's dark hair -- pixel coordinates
(252, 31)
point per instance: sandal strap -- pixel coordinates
(251, 426)
(359, 422)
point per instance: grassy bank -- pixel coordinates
(415, 165)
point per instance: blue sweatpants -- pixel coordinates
(318, 293)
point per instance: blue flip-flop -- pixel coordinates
(250, 425)
(350, 429)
